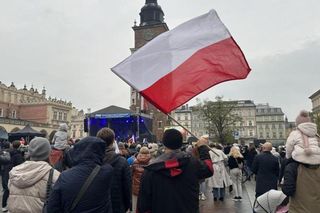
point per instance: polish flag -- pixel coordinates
(181, 63)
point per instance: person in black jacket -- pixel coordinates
(16, 158)
(170, 184)
(121, 182)
(85, 156)
(266, 168)
(249, 158)
(290, 177)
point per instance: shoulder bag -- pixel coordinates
(84, 188)
(49, 186)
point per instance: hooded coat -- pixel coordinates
(137, 171)
(171, 183)
(84, 156)
(27, 186)
(302, 144)
(60, 139)
(121, 182)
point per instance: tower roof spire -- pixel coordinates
(151, 13)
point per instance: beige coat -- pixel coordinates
(27, 186)
(220, 178)
(307, 196)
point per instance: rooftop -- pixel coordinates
(315, 94)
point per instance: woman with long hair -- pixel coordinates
(235, 163)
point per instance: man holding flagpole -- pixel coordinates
(168, 71)
(170, 183)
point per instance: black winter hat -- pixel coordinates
(172, 139)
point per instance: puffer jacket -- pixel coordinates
(27, 186)
(61, 137)
(137, 171)
(296, 147)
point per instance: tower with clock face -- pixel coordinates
(151, 25)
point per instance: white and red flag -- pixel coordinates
(183, 62)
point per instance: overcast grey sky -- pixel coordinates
(69, 46)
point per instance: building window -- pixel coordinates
(268, 136)
(250, 123)
(74, 133)
(14, 114)
(60, 116)
(159, 124)
(273, 126)
(55, 116)
(274, 135)
(1, 112)
(64, 116)
(250, 133)
(280, 134)
(179, 118)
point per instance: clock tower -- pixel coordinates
(151, 25)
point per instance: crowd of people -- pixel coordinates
(97, 174)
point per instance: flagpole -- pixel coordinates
(188, 131)
(172, 118)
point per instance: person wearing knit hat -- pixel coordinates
(170, 182)
(142, 160)
(27, 181)
(60, 138)
(172, 139)
(302, 143)
(39, 149)
(153, 148)
(302, 172)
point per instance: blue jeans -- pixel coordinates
(218, 192)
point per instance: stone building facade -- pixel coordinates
(246, 130)
(315, 99)
(198, 123)
(77, 123)
(271, 124)
(183, 115)
(19, 107)
(151, 25)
